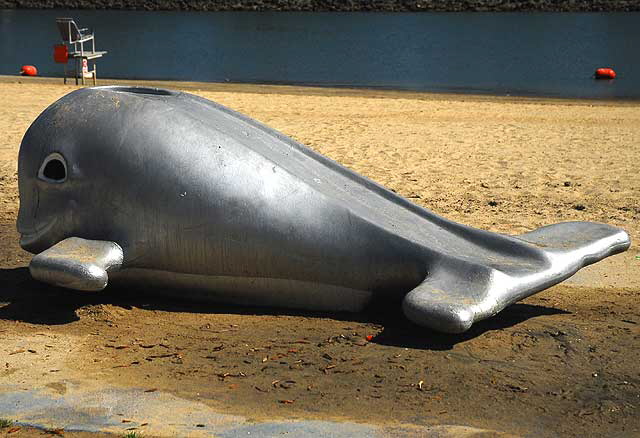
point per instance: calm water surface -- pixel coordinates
(547, 54)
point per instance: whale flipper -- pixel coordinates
(76, 263)
(460, 291)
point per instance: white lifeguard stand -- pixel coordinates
(75, 38)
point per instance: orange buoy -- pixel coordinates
(605, 73)
(29, 70)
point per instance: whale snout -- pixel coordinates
(37, 233)
(37, 239)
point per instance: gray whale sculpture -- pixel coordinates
(164, 188)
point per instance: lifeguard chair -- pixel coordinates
(73, 47)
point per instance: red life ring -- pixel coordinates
(29, 70)
(605, 73)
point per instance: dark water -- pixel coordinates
(548, 54)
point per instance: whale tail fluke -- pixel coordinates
(460, 291)
(585, 242)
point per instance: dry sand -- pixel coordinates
(563, 362)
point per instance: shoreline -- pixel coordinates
(336, 5)
(317, 90)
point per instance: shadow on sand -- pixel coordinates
(24, 299)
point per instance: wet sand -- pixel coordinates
(563, 362)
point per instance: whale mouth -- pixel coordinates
(30, 240)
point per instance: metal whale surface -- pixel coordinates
(161, 187)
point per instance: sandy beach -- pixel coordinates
(564, 362)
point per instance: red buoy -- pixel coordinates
(605, 73)
(29, 70)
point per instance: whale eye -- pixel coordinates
(53, 169)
